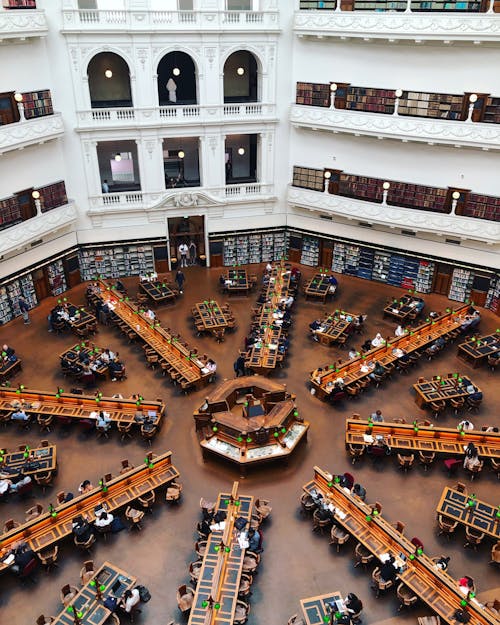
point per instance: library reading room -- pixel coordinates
(249, 312)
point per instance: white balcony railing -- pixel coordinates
(182, 114)
(446, 27)
(431, 131)
(20, 134)
(396, 216)
(78, 20)
(38, 227)
(20, 26)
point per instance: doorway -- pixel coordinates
(191, 232)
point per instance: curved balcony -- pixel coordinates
(477, 28)
(21, 26)
(12, 239)
(147, 21)
(431, 131)
(20, 134)
(182, 115)
(395, 216)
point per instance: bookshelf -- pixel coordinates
(308, 178)
(314, 5)
(370, 100)
(254, 247)
(116, 262)
(57, 278)
(461, 283)
(435, 105)
(482, 207)
(446, 6)
(310, 251)
(19, 4)
(53, 195)
(6, 313)
(381, 263)
(10, 212)
(425, 276)
(360, 187)
(22, 286)
(492, 111)
(313, 94)
(379, 5)
(281, 242)
(37, 104)
(418, 196)
(492, 298)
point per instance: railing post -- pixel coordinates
(398, 93)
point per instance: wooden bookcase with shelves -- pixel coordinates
(491, 113)
(37, 104)
(315, 5)
(435, 105)
(10, 212)
(461, 283)
(459, 6)
(481, 207)
(418, 196)
(313, 94)
(308, 178)
(254, 247)
(116, 262)
(19, 4)
(56, 277)
(493, 296)
(370, 100)
(9, 112)
(22, 286)
(378, 5)
(310, 251)
(53, 195)
(360, 187)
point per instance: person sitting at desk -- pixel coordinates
(7, 351)
(22, 556)
(388, 572)
(85, 487)
(332, 281)
(399, 331)
(465, 425)
(120, 286)
(367, 345)
(353, 354)
(150, 314)
(254, 540)
(288, 301)
(377, 417)
(466, 585)
(353, 604)
(471, 320)
(103, 420)
(82, 529)
(378, 340)
(471, 459)
(316, 375)
(107, 356)
(378, 371)
(104, 519)
(438, 344)
(5, 485)
(130, 599)
(269, 267)
(419, 305)
(359, 491)
(442, 563)
(116, 367)
(19, 415)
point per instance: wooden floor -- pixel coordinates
(296, 562)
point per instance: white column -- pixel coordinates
(207, 244)
(154, 176)
(92, 167)
(201, 160)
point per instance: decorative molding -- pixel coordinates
(15, 238)
(449, 132)
(22, 25)
(396, 216)
(21, 134)
(477, 27)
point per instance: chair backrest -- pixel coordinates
(417, 542)
(125, 464)
(32, 564)
(65, 590)
(61, 495)
(182, 590)
(89, 565)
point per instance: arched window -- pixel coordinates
(109, 81)
(241, 78)
(176, 79)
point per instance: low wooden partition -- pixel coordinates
(406, 437)
(420, 338)
(51, 527)
(217, 591)
(73, 406)
(434, 587)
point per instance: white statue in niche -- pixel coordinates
(172, 90)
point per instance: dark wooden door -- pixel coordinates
(478, 297)
(26, 203)
(41, 283)
(442, 283)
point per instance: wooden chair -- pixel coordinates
(34, 511)
(319, 523)
(338, 536)
(307, 503)
(399, 526)
(241, 612)
(457, 404)
(446, 526)
(45, 620)
(44, 479)
(251, 562)
(355, 451)
(493, 605)
(379, 584)
(87, 572)
(85, 545)
(134, 517)
(406, 596)
(461, 488)
(426, 458)
(185, 597)
(495, 553)
(429, 620)
(363, 556)
(10, 524)
(44, 422)
(48, 557)
(147, 500)
(263, 508)
(194, 571)
(148, 433)
(475, 470)
(492, 363)
(173, 494)
(296, 620)
(67, 594)
(437, 407)
(406, 462)
(200, 547)
(473, 538)
(473, 405)
(244, 589)
(126, 466)
(125, 429)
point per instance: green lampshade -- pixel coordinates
(368, 518)
(283, 430)
(326, 618)
(337, 479)
(4, 354)
(276, 434)
(204, 604)
(92, 582)
(237, 503)
(412, 557)
(330, 484)
(102, 587)
(420, 551)
(375, 512)
(25, 454)
(295, 413)
(70, 609)
(227, 549)
(239, 439)
(217, 606)
(215, 428)
(472, 595)
(216, 548)
(53, 514)
(79, 614)
(249, 440)
(463, 603)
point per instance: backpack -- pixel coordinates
(144, 594)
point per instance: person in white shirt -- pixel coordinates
(288, 301)
(353, 354)
(103, 420)
(104, 519)
(183, 254)
(377, 340)
(130, 599)
(211, 366)
(399, 331)
(465, 425)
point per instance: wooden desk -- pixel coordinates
(89, 602)
(318, 287)
(221, 570)
(38, 460)
(334, 326)
(46, 530)
(157, 291)
(435, 587)
(417, 339)
(436, 390)
(403, 309)
(72, 355)
(318, 610)
(81, 406)
(477, 350)
(236, 281)
(401, 437)
(191, 371)
(213, 318)
(9, 368)
(481, 517)
(80, 319)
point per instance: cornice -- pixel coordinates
(30, 132)
(22, 25)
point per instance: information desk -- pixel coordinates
(480, 516)
(191, 371)
(9, 368)
(88, 604)
(403, 309)
(402, 437)
(443, 388)
(335, 326)
(87, 351)
(250, 420)
(434, 587)
(217, 590)
(30, 462)
(211, 316)
(319, 610)
(318, 287)
(477, 350)
(158, 292)
(46, 530)
(418, 339)
(236, 281)
(69, 405)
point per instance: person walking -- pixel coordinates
(192, 252)
(24, 308)
(180, 278)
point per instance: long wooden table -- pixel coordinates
(217, 591)
(435, 587)
(159, 292)
(481, 516)
(334, 326)
(80, 319)
(72, 355)
(403, 308)
(47, 530)
(212, 316)
(88, 604)
(354, 370)
(318, 287)
(236, 282)
(318, 610)
(30, 462)
(82, 406)
(191, 370)
(402, 437)
(443, 388)
(9, 368)
(477, 350)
